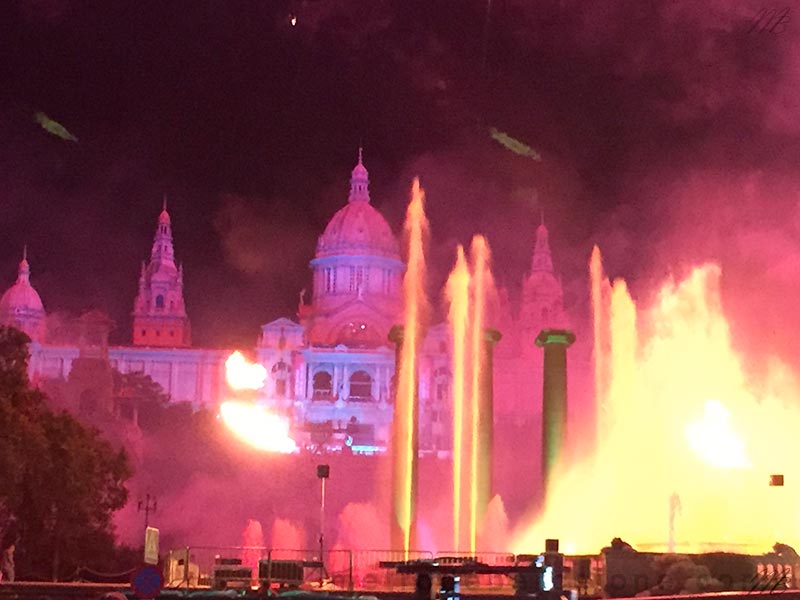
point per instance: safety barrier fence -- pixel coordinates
(243, 566)
(616, 575)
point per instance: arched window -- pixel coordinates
(323, 385)
(360, 387)
(159, 301)
(330, 280)
(280, 377)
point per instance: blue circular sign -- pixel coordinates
(147, 582)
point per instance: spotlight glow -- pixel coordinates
(715, 441)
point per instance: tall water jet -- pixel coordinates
(554, 399)
(405, 436)
(599, 295)
(457, 294)
(468, 292)
(481, 405)
(624, 413)
(689, 425)
(252, 547)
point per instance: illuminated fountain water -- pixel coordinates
(482, 342)
(252, 547)
(457, 294)
(678, 418)
(467, 292)
(405, 434)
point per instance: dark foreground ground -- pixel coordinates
(92, 591)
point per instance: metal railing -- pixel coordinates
(361, 570)
(246, 566)
(485, 583)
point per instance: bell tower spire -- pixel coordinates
(163, 251)
(542, 303)
(542, 259)
(159, 314)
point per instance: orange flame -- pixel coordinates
(257, 427)
(241, 374)
(251, 423)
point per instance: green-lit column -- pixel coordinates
(404, 467)
(554, 397)
(486, 422)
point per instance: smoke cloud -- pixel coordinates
(668, 132)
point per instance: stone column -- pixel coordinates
(335, 381)
(554, 398)
(486, 423)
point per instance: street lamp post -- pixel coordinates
(148, 505)
(323, 472)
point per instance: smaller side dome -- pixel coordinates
(21, 306)
(21, 296)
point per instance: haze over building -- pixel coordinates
(332, 369)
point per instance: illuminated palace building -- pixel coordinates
(332, 369)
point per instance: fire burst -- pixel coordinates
(257, 427)
(251, 423)
(678, 416)
(240, 374)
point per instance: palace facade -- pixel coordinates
(330, 369)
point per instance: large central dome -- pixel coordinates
(358, 229)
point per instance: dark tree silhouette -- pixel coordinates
(61, 481)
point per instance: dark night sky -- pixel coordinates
(669, 134)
